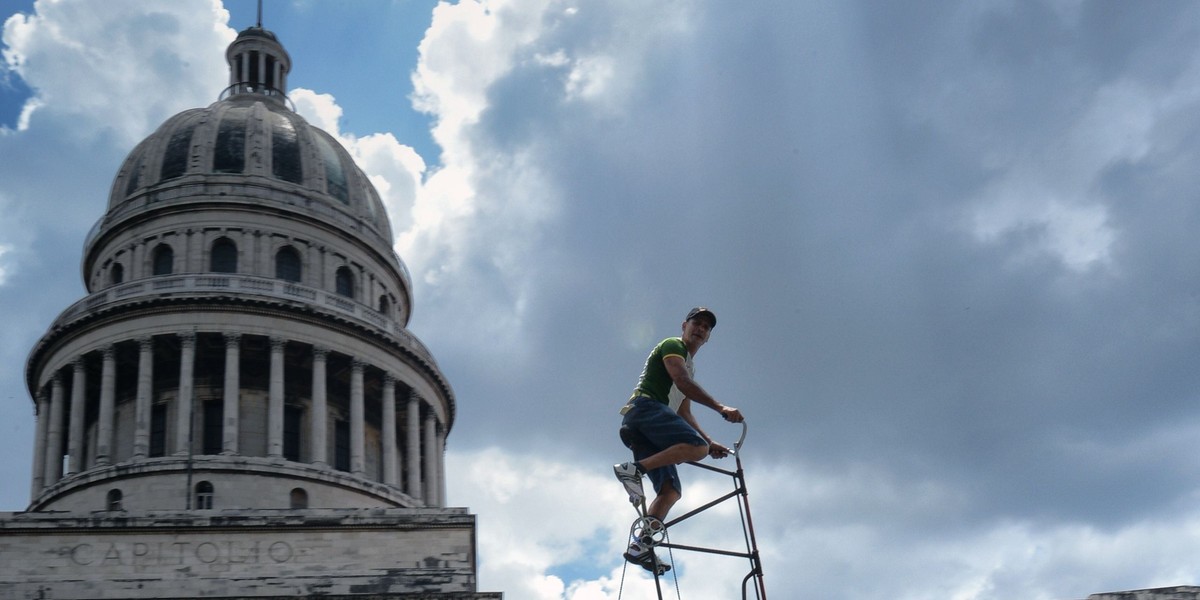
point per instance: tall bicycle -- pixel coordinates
(654, 533)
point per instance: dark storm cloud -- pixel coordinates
(823, 194)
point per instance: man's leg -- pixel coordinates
(659, 438)
(674, 455)
(648, 533)
(630, 474)
(666, 498)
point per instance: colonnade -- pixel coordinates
(69, 422)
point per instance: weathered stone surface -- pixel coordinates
(1167, 593)
(363, 553)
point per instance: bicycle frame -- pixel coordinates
(739, 492)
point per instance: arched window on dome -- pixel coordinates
(299, 498)
(116, 274)
(285, 150)
(164, 260)
(344, 281)
(385, 306)
(175, 159)
(335, 174)
(204, 496)
(134, 175)
(224, 256)
(113, 500)
(229, 152)
(287, 264)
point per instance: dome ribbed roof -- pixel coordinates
(248, 148)
(250, 139)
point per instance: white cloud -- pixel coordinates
(320, 110)
(590, 77)
(1079, 235)
(834, 537)
(4, 262)
(1049, 199)
(539, 516)
(117, 67)
(484, 226)
(395, 169)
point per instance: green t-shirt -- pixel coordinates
(655, 382)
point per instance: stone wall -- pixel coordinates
(1168, 593)
(393, 553)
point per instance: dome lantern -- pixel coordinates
(258, 65)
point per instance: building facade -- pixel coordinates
(1185, 592)
(237, 408)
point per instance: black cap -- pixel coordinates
(700, 310)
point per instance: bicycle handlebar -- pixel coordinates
(738, 445)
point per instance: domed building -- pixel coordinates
(237, 408)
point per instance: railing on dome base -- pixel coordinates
(257, 89)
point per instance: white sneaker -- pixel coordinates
(628, 475)
(643, 555)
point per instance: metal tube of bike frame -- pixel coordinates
(755, 559)
(701, 509)
(714, 469)
(705, 550)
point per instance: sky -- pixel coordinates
(951, 248)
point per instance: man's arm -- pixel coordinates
(715, 449)
(693, 391)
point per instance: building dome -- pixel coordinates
(245, 324)
(248, 150)
(250, 139)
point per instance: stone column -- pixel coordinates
(137, 267)
(262, 70)
(75, 443)
(145, 387)
(199, 251)
(183, 256)
(275, 400)
(108, 395)
(311, 274)
(431, 474)
(441, 465)
(324, 275)
(231, 406)
(412, 416)
(52, 470)
(265, 260)
(389, 429)
(248, 259)
(320, 411)
(39, 443)
(357, 419)
(183, 398)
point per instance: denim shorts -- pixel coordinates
(656, 427)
